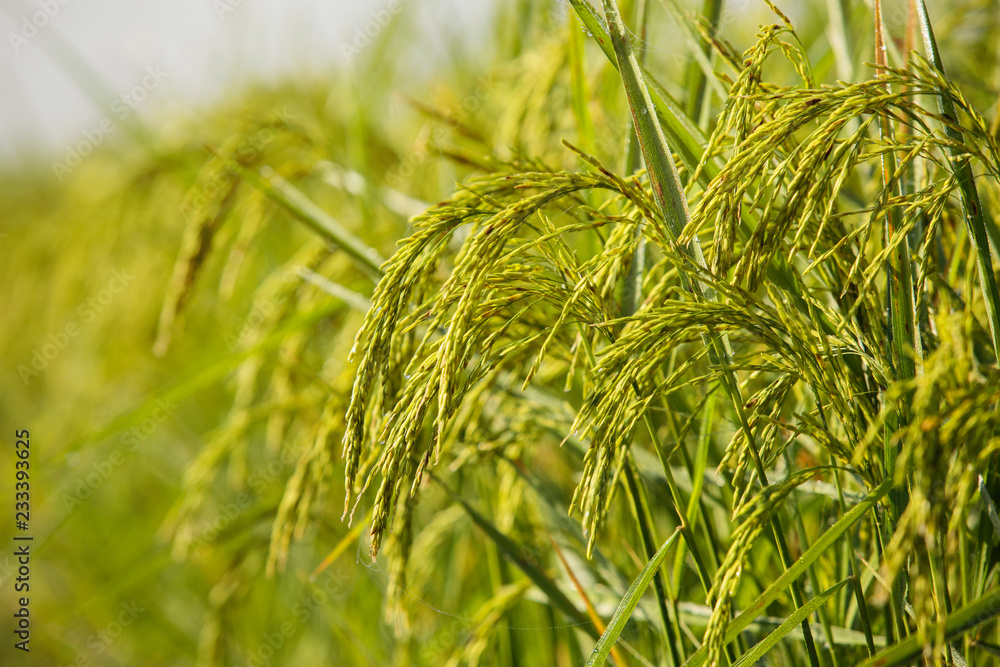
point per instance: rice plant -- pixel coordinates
(838, 356)
(714, 322)
(793, 301)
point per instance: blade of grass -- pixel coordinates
(697, 477)
(295, 202)
(814, 580)
(956, 625)
(348, 296)
(511, 550)
(819, 547)
(684, 135)
(663, 177)
(496, 569)
(591, 611)
(632, 296)
(723, 358)
(624, 611)
(904, 339)
(939, 593)
(633, 155)
(769, 642)
(839, 36)
(545, 584)
(339, 549)
(859, 593)
(696, 80)
(644, 521)
(991, 508)
(584, 122)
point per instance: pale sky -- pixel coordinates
(179, 54)
(174, 53)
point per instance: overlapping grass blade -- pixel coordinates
(511, 550)
(819, 547)
(272, 184)
(683, 134)
(957, 624)
(761, 648)
(624, 611)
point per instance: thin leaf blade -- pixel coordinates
(624, 611)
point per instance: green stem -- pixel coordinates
(859, 593)
(724, 359)
(277, 188)
(669, 195)
(956, 625)
(644, 521)
(974, 222)
(704, 574)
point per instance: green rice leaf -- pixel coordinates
(624, 611)
(819, 547)
(792, 622)
(957, 624)
(277, 188)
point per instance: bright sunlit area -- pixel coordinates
(68, 64)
